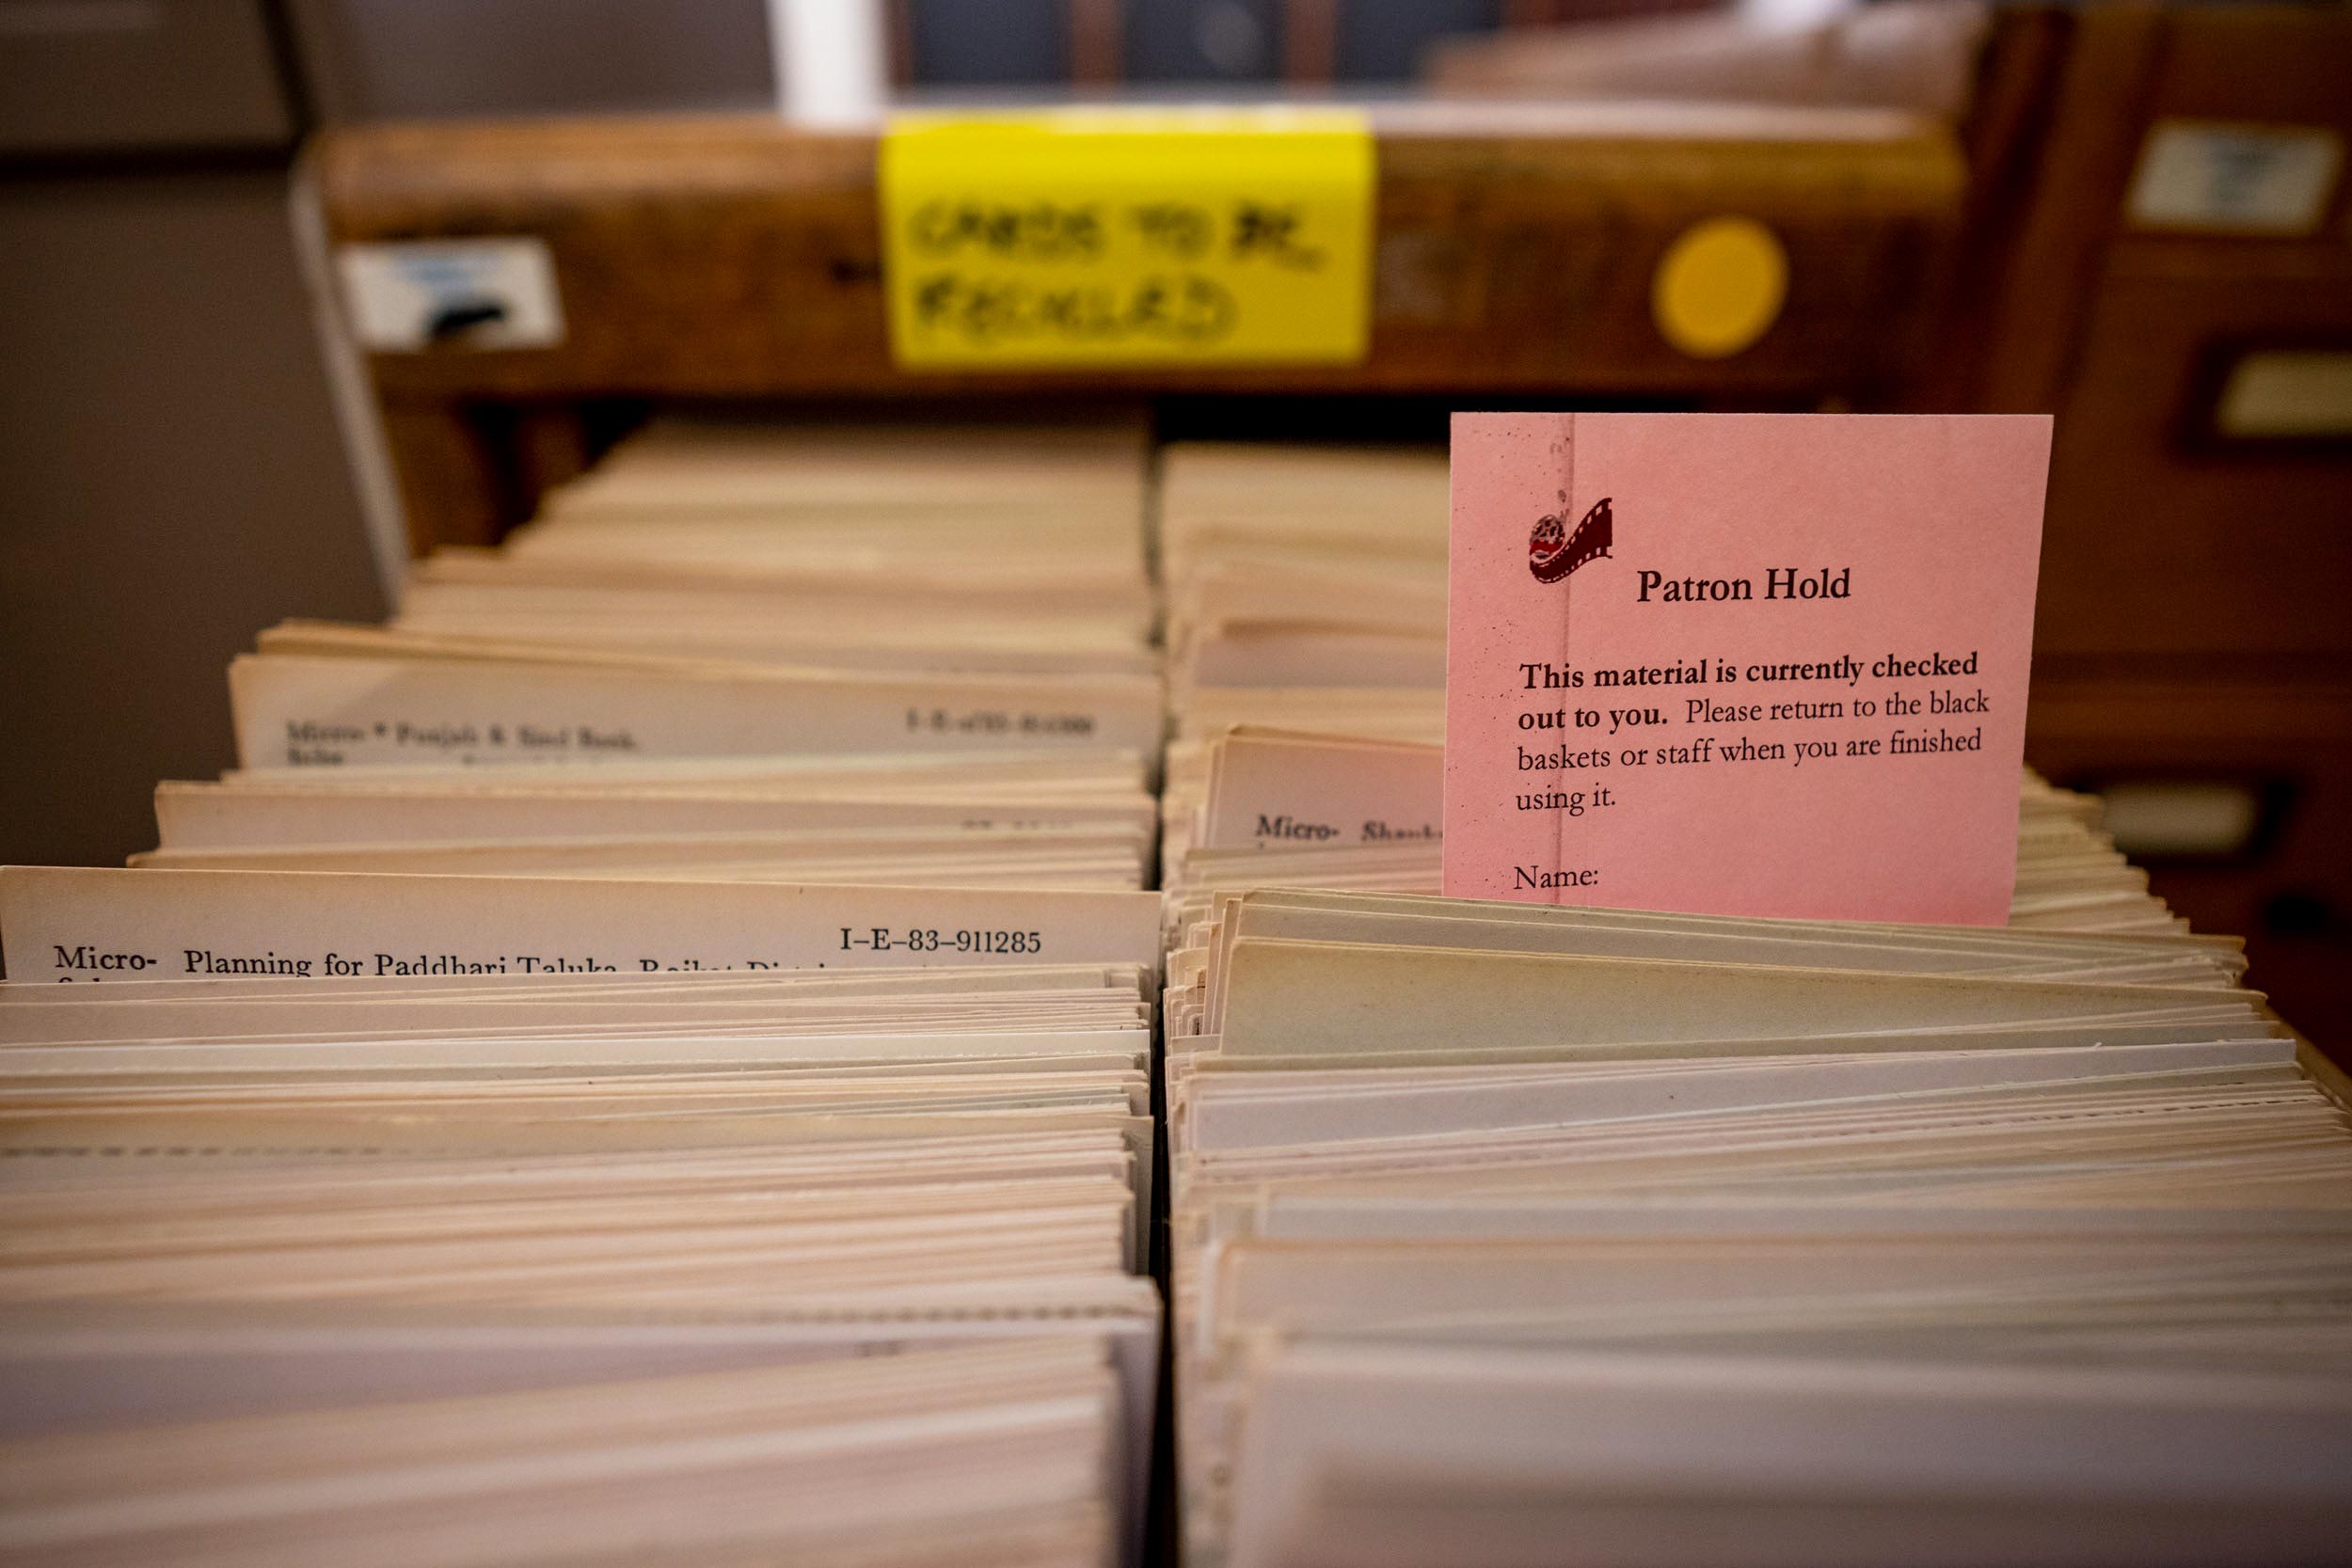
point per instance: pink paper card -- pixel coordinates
(1759, 664)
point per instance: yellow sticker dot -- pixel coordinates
(1719, 287)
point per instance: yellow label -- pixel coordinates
(1128, 237)
(1719, 287)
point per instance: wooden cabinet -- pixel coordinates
(1514, 256)
(2195, 621)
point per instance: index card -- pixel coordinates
(297, 712)
(67, 923)
(1267, 786)
(1742, 663)
(1304, 996)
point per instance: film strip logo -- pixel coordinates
(1553, 552)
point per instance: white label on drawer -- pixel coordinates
(2180, 817)
(2287, 394)
(2237, 179)
(464, 293)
